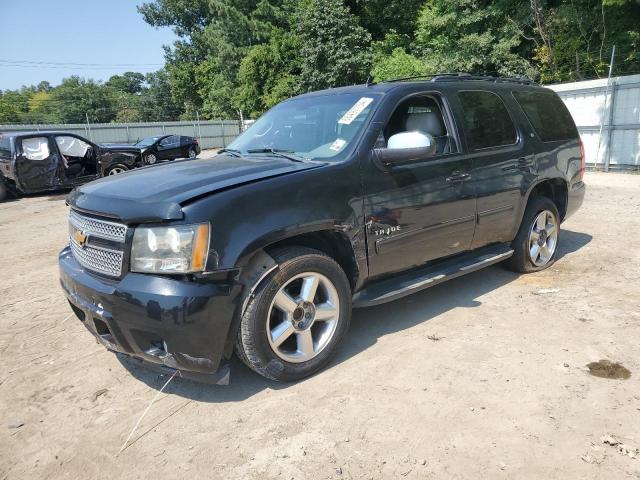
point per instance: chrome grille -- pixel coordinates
(100, 258)
(98, 228)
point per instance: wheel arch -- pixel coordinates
(556, 189)
(258, 264)
(333, 242)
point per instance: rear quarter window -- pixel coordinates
(486, 120)
(548, 115)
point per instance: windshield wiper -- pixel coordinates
(231, 151)
(279, 153)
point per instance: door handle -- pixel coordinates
(458, 177)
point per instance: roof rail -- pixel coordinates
(463, 76)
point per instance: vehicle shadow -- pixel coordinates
(367, 326)
(571, 241)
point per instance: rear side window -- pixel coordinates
(548, 115)
(486, 120)
(5, 146)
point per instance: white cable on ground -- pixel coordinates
(124, 445)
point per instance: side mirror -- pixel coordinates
(407, 147)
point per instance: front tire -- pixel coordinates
(536, 244)
(117, 170)
(297, 316)
(150, 159)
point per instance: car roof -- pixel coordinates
(439, 83)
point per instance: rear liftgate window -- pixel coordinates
(548, 115)
(486, 120)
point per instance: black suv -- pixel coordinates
(343, 198)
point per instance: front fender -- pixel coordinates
(248, 218)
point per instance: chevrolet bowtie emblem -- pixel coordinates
(80, 238)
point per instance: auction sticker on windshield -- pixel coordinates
(338, 144)
(356, 110)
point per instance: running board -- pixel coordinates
(407, 283)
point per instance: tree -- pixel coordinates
(76, 97)
(472, 36)
(268, 74)
(128, 82)
(334, 48)
(9, 112)
(399, 64)
(157, 103)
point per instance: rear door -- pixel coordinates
(37, 163)
(502, 165)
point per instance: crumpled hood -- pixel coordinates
(154, 194)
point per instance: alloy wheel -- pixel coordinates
(151, 159)
(543, 238)
(303, 317)
(116, 171)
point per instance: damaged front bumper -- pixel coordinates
(167, 323)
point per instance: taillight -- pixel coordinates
(196, 140)
(583, 162)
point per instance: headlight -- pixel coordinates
(179, 249)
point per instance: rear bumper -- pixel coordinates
(575, 197)
(175, 324)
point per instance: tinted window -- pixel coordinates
(5, 146)
(486, 120)
(548, 115)
(169, 140)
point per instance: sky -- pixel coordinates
(64, 32)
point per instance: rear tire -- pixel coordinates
(192, 153)
(297, 316)
(536, 244)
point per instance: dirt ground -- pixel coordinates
(481, 377)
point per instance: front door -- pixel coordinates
(423, 210)
(37, 164)
(169, 148)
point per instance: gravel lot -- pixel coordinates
(481, 377)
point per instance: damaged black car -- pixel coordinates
(33, 162)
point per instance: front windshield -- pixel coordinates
(319, 127)
(145, 142)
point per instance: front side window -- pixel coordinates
(486, 121)
(420, 114)
(72, 146)
(321, 127)
(548, 115)
(165, 142)
(36, 148)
